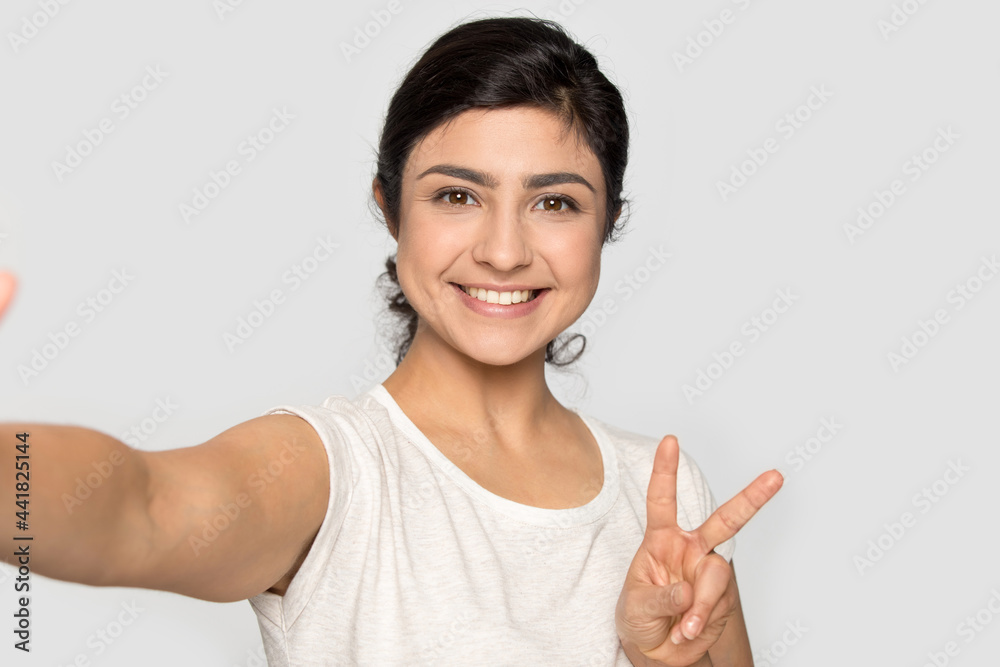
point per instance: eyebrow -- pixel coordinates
(489, 181)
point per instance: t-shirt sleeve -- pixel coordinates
(700, 491)
(284, 609)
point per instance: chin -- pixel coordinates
(498, 353)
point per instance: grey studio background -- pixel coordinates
(813, 186)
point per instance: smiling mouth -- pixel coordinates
(502, 298)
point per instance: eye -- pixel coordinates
(456, 197)
(460, 197)
(556, 204)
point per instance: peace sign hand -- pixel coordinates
(678, 594)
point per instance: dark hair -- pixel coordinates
(495, 63)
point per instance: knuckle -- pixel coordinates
(631, 618)
(704, 608)
(731, 523)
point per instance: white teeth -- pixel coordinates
(502, 298)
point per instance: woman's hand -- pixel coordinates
(7, 286)
(678, 593)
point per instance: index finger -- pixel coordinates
(729, 518)
(661, 496)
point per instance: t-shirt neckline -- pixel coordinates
(539, 516)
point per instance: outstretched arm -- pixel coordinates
(221, 521)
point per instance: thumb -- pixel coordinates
(7, 286)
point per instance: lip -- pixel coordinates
(496, 310)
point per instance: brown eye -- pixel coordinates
(555, 205)
(456, 197)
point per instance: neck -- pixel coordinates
(448, 388)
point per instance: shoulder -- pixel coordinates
(635, 453)
(337, 418)
(353, 431)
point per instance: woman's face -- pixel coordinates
(494, 203)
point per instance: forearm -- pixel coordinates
(638, 659)
(82, 489)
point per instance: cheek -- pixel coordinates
(424, 253)
(594, 274)
(408, 253)
(579, 256)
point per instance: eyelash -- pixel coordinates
(570, 204)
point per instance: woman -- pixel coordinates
(455, 513)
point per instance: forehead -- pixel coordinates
(514, 140)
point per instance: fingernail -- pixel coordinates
(676, 595)
(676, 636)
(691, 627)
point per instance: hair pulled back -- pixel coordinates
(495, 63)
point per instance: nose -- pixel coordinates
(502, 240)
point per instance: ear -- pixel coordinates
(608, 226)
(380, 200)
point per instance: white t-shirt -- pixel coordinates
(416, 564)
